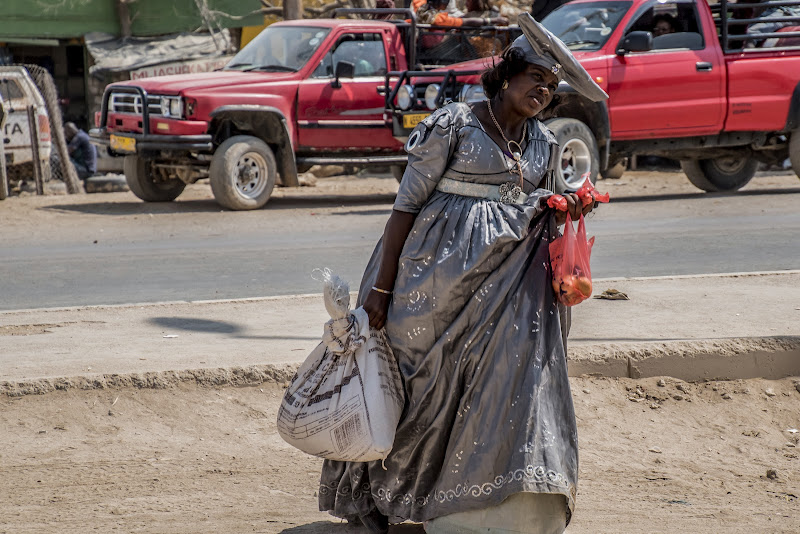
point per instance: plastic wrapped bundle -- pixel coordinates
(345, 401)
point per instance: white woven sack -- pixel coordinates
(345, 401)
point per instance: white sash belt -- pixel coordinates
(508, 193)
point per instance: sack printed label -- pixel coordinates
(346, 399)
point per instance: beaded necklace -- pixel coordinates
(511, 190)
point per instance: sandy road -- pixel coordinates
(114, 249)
(703, 458)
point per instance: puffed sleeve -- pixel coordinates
(430, 147)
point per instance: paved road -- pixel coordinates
(192, 251)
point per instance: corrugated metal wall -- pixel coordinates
(74, 18)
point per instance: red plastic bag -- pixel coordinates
(569, 258)
(587, 193)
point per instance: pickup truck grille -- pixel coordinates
(130, 103)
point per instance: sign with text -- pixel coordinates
(181, 67)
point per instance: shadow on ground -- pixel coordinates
(125, 208)
(326, 527)
(195, 325)
(626, 339)
(191, 324)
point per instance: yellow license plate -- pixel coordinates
(411, 120)
(122, 144)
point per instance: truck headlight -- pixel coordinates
(472, 93)
(405, 97)
(430, 95)
(164, 106)
(176, 107)
(171, 106)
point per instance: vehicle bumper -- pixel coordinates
(404, 122)
(135, 143)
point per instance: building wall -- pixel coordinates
(74, 18)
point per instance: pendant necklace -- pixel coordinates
(510, 191)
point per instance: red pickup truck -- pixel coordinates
(709, 94)
(303, 92)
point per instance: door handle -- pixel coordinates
(381, 90)
(704, 66)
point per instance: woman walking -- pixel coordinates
(461, 281)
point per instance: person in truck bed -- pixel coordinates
(434, 12)
(771, 26)
(461, 282)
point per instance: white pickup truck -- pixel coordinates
(19, 93)
(3, 176)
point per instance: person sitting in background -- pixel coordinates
(81, 152)
(434, 12)
(480, 9)
(663, 24)
(384, 4)
(489, 44)
(772, 26)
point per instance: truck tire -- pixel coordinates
(794, 152)
(720, 174)
(243, 173)
(139, 175)
(615, 171)
(579, 153)
(398, 171)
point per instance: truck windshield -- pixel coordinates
(585, 26)
(279, 48)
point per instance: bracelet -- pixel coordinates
(379, 290)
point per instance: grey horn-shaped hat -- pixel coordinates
(544, 49)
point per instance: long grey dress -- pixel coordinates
(477, 334)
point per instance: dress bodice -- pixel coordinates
(452, 143)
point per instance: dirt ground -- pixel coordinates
(704, 458)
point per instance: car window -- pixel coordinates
(674, 25)
(10, 89)
(585, 26)
(364, 51)
(279, 48)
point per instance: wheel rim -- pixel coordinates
(250, 175)
(729, 165)
(576, 160)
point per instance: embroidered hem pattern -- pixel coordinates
(530, 473)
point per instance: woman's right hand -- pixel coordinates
(575, 208)
(377, 305)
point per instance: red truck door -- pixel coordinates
(350, 115)
(678, 88)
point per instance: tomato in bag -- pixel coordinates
(587, 193)
(569, 258)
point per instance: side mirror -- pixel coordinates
(635, 42)
(344, 69)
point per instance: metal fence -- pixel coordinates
(58, 166)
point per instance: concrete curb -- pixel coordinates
(720, 359)
(210, 377)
